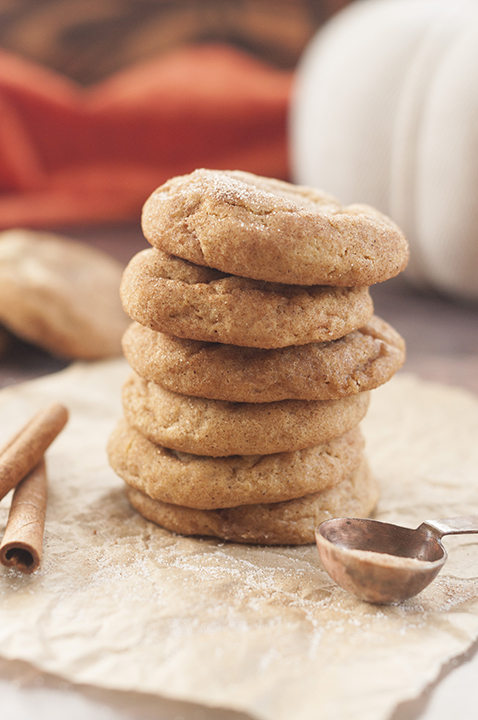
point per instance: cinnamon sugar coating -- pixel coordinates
(172, 295)
(360, 361)
(272, 230)
(219, 428)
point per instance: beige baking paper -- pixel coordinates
(122, 604)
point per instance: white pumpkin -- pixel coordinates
(385, 111)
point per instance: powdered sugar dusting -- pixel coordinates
(259, 195)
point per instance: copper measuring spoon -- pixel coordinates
(384, 563)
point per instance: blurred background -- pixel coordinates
(101, 101)
(88, 40)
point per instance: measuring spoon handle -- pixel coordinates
(452, 526)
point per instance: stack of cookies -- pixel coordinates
(254, 349)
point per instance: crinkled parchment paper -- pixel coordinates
(122, 604)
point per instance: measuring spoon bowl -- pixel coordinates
(384, 563)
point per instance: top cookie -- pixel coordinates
(272, 230)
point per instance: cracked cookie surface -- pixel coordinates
(272, 230)
(360, 361)
(219, 428)
(171, 295)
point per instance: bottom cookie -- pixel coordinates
(291, 522)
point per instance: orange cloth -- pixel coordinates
(75, 155)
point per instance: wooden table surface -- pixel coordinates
(441, 335)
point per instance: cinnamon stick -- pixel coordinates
(22, 543)
(25, 449)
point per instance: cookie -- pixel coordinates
(219, 428)
(271, 230)
(360, 361)
(61, 295)
(205, 482)
(172, 295)
(285, 523)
